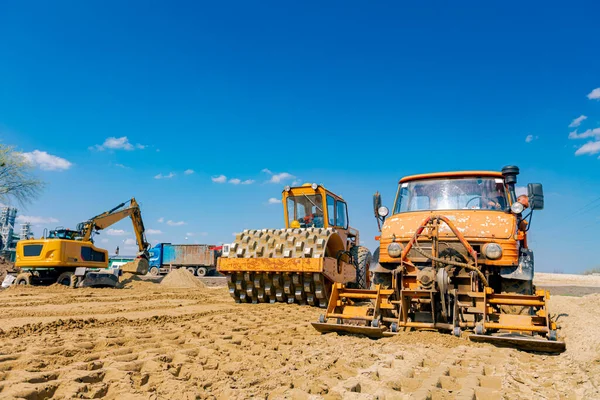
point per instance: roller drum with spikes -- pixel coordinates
(286, 265)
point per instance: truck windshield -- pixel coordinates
(451, 194)
(306, 209)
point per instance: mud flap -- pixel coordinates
(521, 342)
(522, 272)
(352, 329)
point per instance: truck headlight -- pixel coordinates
(394, 250)
(493, 251)
(383, 211)
(517, 208)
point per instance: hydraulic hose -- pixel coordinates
(450, 262)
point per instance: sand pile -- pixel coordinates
(181, 278)
(5, 266)
(132, 281)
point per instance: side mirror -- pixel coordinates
(535, 192)
(376, 203)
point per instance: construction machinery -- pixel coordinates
(453, 257)
(300, 263)
(69, 257)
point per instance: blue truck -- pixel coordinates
(199, 259)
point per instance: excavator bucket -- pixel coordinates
(139, 266)
(355, 311)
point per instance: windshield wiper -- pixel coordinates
(311, 202)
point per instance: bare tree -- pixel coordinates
(16, 179)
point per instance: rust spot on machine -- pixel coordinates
(300, 263)
(453, 257)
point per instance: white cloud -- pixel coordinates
(120, 166)
(46, 161)
(173, 223)
(281, 177)
(296, 182)
(584, 135)
(219, 179)
(115, 232)
(129, 242)
(236, 181)
(188, 171)
(531, 138)
(267, 171)
(190, 234)
(519, 190)
(153, 232)
(36, 220)
(161, 220)
(104, 240)
(273, 200)
(594, 94)
(577, 121)
(113, 143)
(161, 176)
(589, 148)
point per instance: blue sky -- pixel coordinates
(347, 94)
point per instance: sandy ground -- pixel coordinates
(157, 341)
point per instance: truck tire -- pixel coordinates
(68, 279)
(192, 270)
(202, 271)
(362, 261)
(23, 279)
(154, 271)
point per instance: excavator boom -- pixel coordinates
(102, 221)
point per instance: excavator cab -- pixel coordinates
(67, 234)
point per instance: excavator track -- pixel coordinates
(273, 286)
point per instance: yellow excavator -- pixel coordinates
(69, 257)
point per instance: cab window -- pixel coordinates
(331, 210)
(89, 254)
(32, 250)
(341, 217)
(305, 210)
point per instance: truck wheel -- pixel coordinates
(154, 271)
(362, 261)
(67, 279)
(23, 279)
(201, 271)
(192, 270)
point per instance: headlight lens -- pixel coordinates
(287, 188)
(493, 251)
(383, 211)
(394, 250)
(314, 186)
(517, 208)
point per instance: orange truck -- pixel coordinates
(453, 256)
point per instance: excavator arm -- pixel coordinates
(111, 217)
(102, 221)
